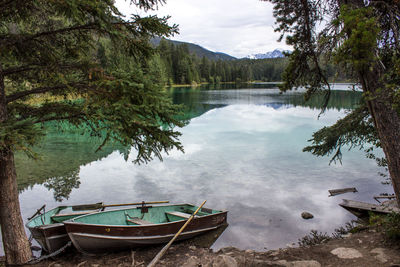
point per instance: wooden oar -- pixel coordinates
(37, 212)
(162, 252)
(101, 205)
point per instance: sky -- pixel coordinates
(236, 27)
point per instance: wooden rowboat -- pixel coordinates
(141, 226)
(47, 227)
(49, 231)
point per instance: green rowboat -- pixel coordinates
(49, 231)
(135, 227)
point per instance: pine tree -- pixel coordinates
(54, 67)
(363, 37)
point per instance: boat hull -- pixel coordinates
(50, 237)
(93, 239)
(49, 232)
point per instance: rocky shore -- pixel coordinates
(366, 248)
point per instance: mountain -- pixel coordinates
(198, 50)
(277, 53)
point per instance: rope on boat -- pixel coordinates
(30, 239)
(55, 253)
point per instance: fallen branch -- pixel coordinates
(334, 192)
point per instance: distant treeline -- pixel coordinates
(181, 67)
(178, 66)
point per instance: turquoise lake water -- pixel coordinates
(243, 153)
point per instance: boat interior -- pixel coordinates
(56, 215)
(144, 215)
(132, 216)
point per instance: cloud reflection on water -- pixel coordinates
(247, 159)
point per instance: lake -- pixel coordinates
(243, 153)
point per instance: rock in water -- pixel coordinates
(306, 215)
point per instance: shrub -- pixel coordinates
(392, 226)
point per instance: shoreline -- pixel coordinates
(248, 82)
(368, 247)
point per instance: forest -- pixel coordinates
(175, 65)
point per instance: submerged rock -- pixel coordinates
(306, 215)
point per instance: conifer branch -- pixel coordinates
(38, 66)
(6, 3)
(60, 118)
(19, 69)
(42, 90)
(93, 26)
(14, 39)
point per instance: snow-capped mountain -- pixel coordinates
(274, 54)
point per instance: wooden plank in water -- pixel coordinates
(334, 192)
(358, 207)
(384, 196)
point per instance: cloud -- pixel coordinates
(235, 27)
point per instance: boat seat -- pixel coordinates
(136, 220)
(62, 216)
(180, 214)
(139, 221)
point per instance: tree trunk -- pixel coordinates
(16, 245)
(385, 116)
(388, 127)
(387, 123)
(15, 242)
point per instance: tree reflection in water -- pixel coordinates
(62, 186)
(64, 151)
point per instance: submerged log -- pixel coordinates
(334, 192)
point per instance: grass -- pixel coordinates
(387, 224)
(316, 238)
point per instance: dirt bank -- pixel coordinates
(365, 248)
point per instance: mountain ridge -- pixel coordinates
(197, 50)
(277, 53)
(215, 56)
